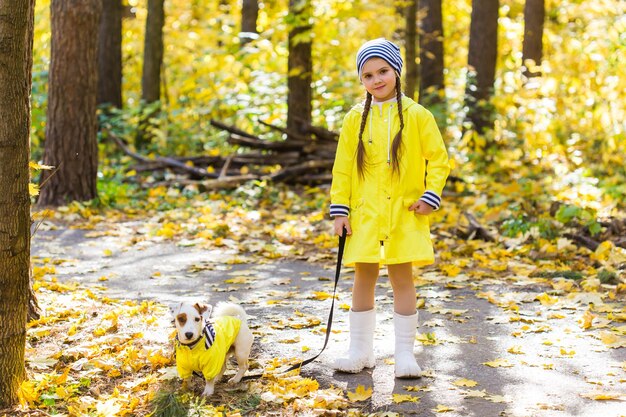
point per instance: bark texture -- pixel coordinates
(431, 53)
(249, 16)
(300, 65)
(153, 52)
(110, 54)
(532, 47)
(483, 51)
(410, 46)
(16, 28)
(71, 132)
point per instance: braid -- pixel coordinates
(360, 155)
(396, 147)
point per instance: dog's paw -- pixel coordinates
(235, 380)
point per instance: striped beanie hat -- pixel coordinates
(379, 48)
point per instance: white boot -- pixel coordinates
(405, 328)
(361, 352)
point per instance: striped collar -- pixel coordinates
(208, 335)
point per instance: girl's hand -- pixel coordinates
(420, 207)
(340, 223)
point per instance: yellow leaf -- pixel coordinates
(442, 409)
(404, 398)
(244, 170)
(37, 166)
(498, 363)
(360, 394)
(516, 350)
(33, 189)
(108, 252)
(321, 295)
(465, 383)
(546, 299)
(605, 395)
(131, 173)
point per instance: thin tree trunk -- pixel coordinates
(300, 66)
(152, 67)
(410, 44)
(483, 51)
(110, 54)
(532, 47)
(16, 26)
(249, 16)
(71, 133)
(153, 52)
(431, 53)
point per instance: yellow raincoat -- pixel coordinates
(209, 353)
(378, 204)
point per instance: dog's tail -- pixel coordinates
(229, 309)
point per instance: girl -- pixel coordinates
(382, 193)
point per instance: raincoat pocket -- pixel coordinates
(412, 221)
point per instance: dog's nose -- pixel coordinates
(189, 335)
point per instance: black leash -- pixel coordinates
(342, 244)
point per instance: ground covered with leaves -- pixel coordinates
(89, 354)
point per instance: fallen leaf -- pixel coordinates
(360, 394)
(465, 383)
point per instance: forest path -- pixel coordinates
(546, 364)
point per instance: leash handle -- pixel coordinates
(329, 323)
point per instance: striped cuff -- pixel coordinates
(431, 199)
(339, 210)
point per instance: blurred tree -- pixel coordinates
(152, 66)
(71, 131)
(532, 47)
(249, 16)
(153, 52)
(482, 55)
(110, 54)
(16, 60)
(410, 45)
(431, 53)
(300, 65)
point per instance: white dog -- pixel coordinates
(204, 346)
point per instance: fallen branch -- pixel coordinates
(257, 143)
(583, 241)
(299, 169)
(233, 129)
(206, 185)
(475, 230)
(319, 131)
(202, 173)
(289, 133)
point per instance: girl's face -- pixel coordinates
(379, 79)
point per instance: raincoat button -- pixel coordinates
(388, 197)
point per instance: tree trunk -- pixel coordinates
(152, 65)
(532, 47)
(410, 44)
(249, 16)
(431, 53)
(483, 51)
(110, 54)
(153, 52)
(300, 65)
(16, 31)
(71, 131)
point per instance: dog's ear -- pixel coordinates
(204, 310)
(174, 308)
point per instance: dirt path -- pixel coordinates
(547, 361)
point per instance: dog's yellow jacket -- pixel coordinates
(209, 353)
